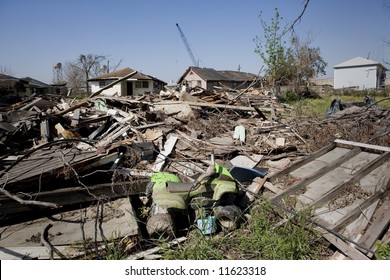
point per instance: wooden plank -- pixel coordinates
(363, 145)
(381, 221)
(73, 195)
(347, 249)
(214, 105)
(94, 120)
(45, 131)
(269, 186)
(366, 169)
(75, 118)
(303, 162)
(168, 147)
(107, 140)
(354, 230)
(255, 187)
(81, 104)
(384, 191)
(308, 180)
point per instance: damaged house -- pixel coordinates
(208, 78)
(11, 87)
(125, 82)
(35, 86)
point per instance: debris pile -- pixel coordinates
(59, 154)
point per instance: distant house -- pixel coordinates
(359, 73)
(35, 86)
(208, 78)
(12, 86)
(129, 83)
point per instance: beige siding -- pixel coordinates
(194, 80)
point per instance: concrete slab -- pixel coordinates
(333, 155)
(358, 161)
(325, 183)
(308, 169)
(67, 227)
(315, 165)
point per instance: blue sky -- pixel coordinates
(37, 34)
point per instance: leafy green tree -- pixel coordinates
(273, 49)
(287, 64)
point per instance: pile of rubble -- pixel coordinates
(57, 154)
(47, 145)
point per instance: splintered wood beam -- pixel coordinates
(363, 145)
(308, 180)
(81, 104)
(73, 195)
(344, 247)
(301, 163)
(366, 169)
(381, 221)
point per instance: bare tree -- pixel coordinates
(307, 62)
(74, 77)
(298, 19)
(6, 70)
(85, 67)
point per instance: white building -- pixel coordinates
(359, 73)
(126, 82)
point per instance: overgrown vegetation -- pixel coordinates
(265, 236)
(317, 107)
(383, 252)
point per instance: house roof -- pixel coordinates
(35, 83)
(358, 61)
(5, 77)
(122, 73)
(210, 74)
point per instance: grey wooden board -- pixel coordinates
(354, 230)
(118, 221)
(311, 167)
(379, 224)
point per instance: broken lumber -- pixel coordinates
(168, 147)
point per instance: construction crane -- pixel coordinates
(187, 45)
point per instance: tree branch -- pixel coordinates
(28, 202)
(298, 19)
(45, 241)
